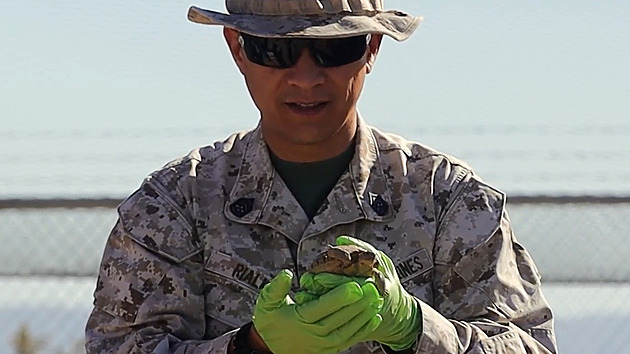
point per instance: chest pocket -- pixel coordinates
(232, 287)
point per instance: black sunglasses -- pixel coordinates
(283, 53)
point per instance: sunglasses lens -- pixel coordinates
(271, 52)
(284, 52)
(337, 52)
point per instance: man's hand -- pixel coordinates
(402, 319)
(329, 323)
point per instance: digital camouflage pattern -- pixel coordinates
(195, 244)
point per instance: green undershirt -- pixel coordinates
(311, 182)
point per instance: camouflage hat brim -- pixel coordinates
(395, 24)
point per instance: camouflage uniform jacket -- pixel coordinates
(198, 240)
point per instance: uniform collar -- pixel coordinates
(259, 195)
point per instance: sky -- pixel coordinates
(468, 60)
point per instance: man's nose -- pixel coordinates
(306, 73)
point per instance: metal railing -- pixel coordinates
(64, 203)
(558, 231)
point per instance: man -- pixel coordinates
(210, 255)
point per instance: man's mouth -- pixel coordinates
(307, 108)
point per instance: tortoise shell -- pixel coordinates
(348, 260)
(345, 259)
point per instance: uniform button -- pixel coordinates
(379, 205)
(242, 207)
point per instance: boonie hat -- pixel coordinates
(309, 18)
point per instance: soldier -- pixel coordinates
(211, 253)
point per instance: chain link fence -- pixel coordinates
(50, 251)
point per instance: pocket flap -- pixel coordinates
(154, 222)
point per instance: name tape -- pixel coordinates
(239, 272)
(414, 265)
(247, 276)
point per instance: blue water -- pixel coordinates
(95, 95)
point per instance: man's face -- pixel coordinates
(308, 112)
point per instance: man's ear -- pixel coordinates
(374, 46)
(231, 38)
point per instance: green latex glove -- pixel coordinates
(402, 319)
(312, 289)
(328, 324)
